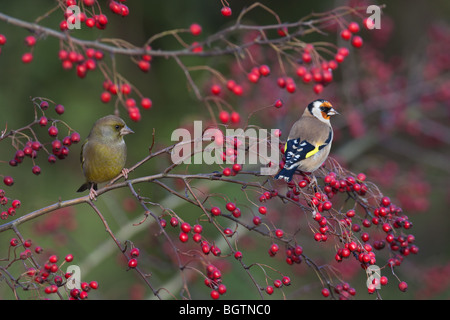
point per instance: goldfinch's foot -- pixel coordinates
(313, 182)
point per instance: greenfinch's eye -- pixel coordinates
(117, 127)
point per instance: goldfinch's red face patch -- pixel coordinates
(327, 110)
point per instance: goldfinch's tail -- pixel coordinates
(285, 174)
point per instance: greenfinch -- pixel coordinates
(104, 153)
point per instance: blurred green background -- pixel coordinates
(418, 162)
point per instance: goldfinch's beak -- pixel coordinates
(332, 112)
(125, 130)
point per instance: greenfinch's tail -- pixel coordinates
(87, 186)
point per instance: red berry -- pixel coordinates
(291, 87)
(306, 57)
(146, 103)
(132, 263)
(281, 82)
(403, 286)
(357, 41)
(256, 220)
(215, 294)
(222, 289)
(262, 210)
(173, 221)
(93, 285)
(13, 242)
(325, 292)
(318, 88)
(368, 23)
(105, 97)
(385, 201)
(230, 206)
(226, 11)
(269, 290)
(274, 248)
(59, 109)
(264, 70)
(196, 47)
(51, 158)
(236, 213)
(198, 228)
(238, 90)
(184, 237)
(224, 117)
(9, 181)
(90, 22)
(386, 227)
(69, 258)
(134, 252)
(279, 233)
(36, 170)
(144, 65)
(353, 27)
(195, 29)
(30, 41)
(53, 131)
(216, 89)
(282, 32)
(286, 280)
(215, 211)
(346, 34)
(278, 103)
(2, 39)
(226, 172)
(235, 117)
(16, 204)
(185, 227)
(27, 57)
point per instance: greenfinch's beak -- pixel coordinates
(125, 130)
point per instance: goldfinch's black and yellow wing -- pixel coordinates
(297, 150)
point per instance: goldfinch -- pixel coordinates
(104, 153)
(309, 141)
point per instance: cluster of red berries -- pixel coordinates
(123, 92)
(350, 34)
(30, 41)
(294, 254)
(133, 261)
(343, 290)
(116, 7)
(11, 211)
(349, 184)
(50, 276)
(186, 229)
(60, 148)
(213, 280)
(88, 58)
(83, 62)
(225, 117)
(277, 283)
(100, 21)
